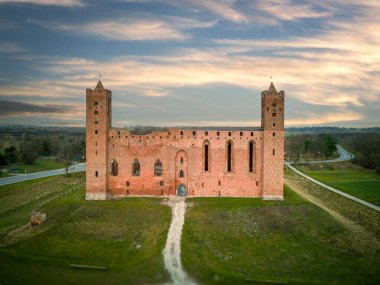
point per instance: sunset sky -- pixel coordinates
(190, 62)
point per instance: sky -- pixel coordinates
(190, 62)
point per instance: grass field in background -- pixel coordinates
(41, 164)
(126, 236)
(242, 241)
(352, 179)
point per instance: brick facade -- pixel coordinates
(207, 161)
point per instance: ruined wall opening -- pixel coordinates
(114, 167)
(229, 156)
(158, 168)
(206, 155)
(251, 156)
(136, 168)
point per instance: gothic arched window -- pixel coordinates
(206, 153)
(136, 168)
(229, 156)
(251, 156)
(158, 168)
(114, 167)
(181, 174)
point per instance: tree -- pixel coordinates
(330, 144)
(30, 153)
(10, 153)
(46, 147)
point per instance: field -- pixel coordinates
(347, 177)
(244, 241)
(224, 241)
(41, 164)
(125, 236)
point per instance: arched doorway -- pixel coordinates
(181, 190)
(181, 172)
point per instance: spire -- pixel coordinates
(272, 88)
(99, 86)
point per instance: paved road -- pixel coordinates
(344, 155)
(23, 177)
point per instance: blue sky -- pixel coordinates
(190, 62)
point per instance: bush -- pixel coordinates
(378, 169)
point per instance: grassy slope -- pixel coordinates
(356, 181)
(234, 241)
(127, 236)
(21, 185)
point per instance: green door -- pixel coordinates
(181, 190)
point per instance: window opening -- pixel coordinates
(251, 157)
(136, 168)
(206, 157)
(114, 167)
(229, 157)
(158, 168)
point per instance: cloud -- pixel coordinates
(14, 108)
(288, 10)
(333, 70)
(223, 8)
(326, 119)
(45, 2)
(10, 48)
(156, 93)
(171, 28)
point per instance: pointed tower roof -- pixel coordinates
(99, 86)
(272, 88)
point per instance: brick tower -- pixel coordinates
(272, 124)
(98, 123)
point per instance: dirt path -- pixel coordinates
(172, 250)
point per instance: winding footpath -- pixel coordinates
(172, 250)
(344, 155)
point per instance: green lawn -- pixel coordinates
(41, 164)
(358, 182)
(246, 241)
(126, 236)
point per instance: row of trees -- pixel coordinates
(366, 148)
(26, 148)
(310, 146)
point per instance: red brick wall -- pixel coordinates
(273, 142)
(98, 119)
(240, 182)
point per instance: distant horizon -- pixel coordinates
(175, 126)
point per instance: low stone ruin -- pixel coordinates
(37, 218)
